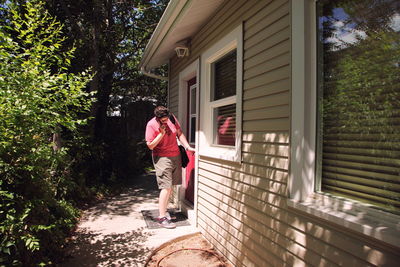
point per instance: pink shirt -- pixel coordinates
(168, 146)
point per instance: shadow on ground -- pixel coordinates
(91, 249)
(112, 232)
(141, 189)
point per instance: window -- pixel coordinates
(221, 98)
(359, 102)
(224, 87)
(192, 111)
(345, 138)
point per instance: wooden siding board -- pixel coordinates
(274, 87)
(278, 230)
(219, 25)
(258, 232)
(257, 45)
(245, 244)
(281, 163)
(260, 198)
(243, 230)
(256, 184)
(225, 21)
(282, 111)
(278, 99)
(227, 249)
(299, 223)
(216, 239)
(265, 124)
(270, 21)
(266, 149)
(260, 17)
(227, 14)
(250, 173)
(267, 54)
(280, 124)
(267, 137)
(266, 78)
(274, 63)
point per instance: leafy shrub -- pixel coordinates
(39, 101)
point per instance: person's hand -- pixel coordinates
(191, 149)
(162, 129)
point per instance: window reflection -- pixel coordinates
(359, 101)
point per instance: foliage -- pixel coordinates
(39, 101)
(110, 37)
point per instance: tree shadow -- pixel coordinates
(125, 249)
(91, 246)
(141, 189)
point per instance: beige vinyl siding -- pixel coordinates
(242, 207)
(173, 95)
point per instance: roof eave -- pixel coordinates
(170, 15)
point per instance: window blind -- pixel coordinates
(226, 125)
(224, 71)
(359, 101)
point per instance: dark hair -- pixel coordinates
(161, 112)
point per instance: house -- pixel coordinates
(293, 107)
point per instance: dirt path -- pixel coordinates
(113, 232)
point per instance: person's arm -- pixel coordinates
(183, 140)
(151, 145)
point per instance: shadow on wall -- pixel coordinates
(254, 224)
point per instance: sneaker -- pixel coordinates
(169, 217)
(166, 223)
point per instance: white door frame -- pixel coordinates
(191, 71)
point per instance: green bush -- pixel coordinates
(39, 100)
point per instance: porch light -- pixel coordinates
(182, 49)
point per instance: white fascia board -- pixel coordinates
(167, 21)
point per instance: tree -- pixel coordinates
(110, 37)
(39, 99)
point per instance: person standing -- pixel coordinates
(161, 138)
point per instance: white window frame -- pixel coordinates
(233, 40)
(303, 196)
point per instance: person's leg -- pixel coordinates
(163, 168)
(165, 193)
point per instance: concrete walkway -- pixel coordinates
(114, 233)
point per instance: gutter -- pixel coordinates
(168, 19)
(152, 75)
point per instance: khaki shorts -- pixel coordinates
(168, 171)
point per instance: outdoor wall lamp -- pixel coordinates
(182, 49)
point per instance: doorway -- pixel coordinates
(191, 119)
(188, 115)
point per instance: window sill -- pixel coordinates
(220, 152)
(357, 217)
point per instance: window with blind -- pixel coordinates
(223, 90)
(358, 148)
(221, 81)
